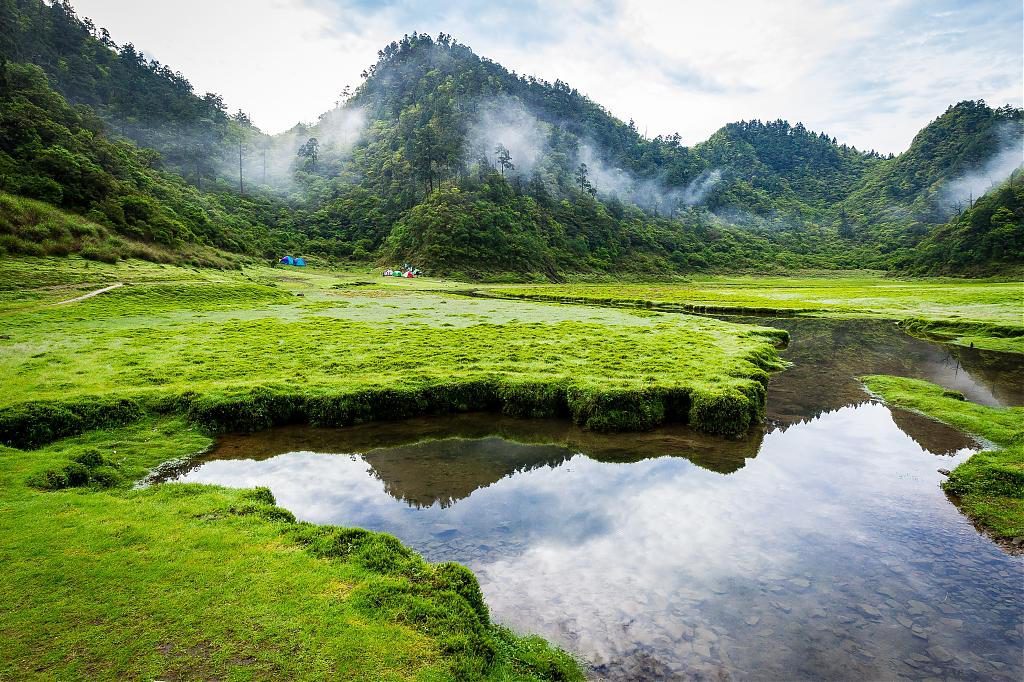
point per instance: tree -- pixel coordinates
(310, 150)
(215, 102)
(845, 226)
(241, 186)
(504, 159)
(582, 175)
(344, 96)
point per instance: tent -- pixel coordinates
(300, 262)
(287, 260)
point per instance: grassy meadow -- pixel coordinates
(106, 580)
(103, 580)
(987, 314)
(174, 582)
(266, 346)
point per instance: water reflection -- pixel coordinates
(444, 459)
(830, 555)
(829, 355)
(822, 549)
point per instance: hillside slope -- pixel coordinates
(987, 235)
(62, 155)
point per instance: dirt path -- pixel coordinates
(91, 294)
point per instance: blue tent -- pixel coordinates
(287, 260)
(300, 262)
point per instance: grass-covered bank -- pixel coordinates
(985, 314)
(36, 228)
(269, 346)
(197, 582)
(989, 487)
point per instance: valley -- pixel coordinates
(466, 377)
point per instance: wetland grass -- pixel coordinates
(979, 313)
(102, 581)
(242, 352)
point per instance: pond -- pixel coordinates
(819, 548)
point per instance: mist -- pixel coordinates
(208, 156)
(338, 131)
(961, 191)
(506, 121)
(650, 194)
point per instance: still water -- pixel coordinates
(820, 548)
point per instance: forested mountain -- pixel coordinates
(774, 166)
(445, 159)
(139, 98)
(988, 233)
(60, 154)
(954, 160)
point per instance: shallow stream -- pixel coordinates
(820, 548)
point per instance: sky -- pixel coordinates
(869, 72)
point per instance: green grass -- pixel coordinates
(989, 487)
(244, 350)
(102, 581)
(200, 582)
(987, 314)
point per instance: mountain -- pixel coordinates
(60, 154)
(447, 160)
(771, 165)
(987, 236)
(139, 98)
(952, 161)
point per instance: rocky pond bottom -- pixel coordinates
(820, 549)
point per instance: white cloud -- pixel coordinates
(871, 74)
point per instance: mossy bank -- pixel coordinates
(988, 487)
(101, 581)
(266, 347)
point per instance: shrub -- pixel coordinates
(33, 424)
(90, 458)
(104, 476)
(49, 480)
(77, 474)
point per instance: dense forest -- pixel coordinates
(447, 160)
